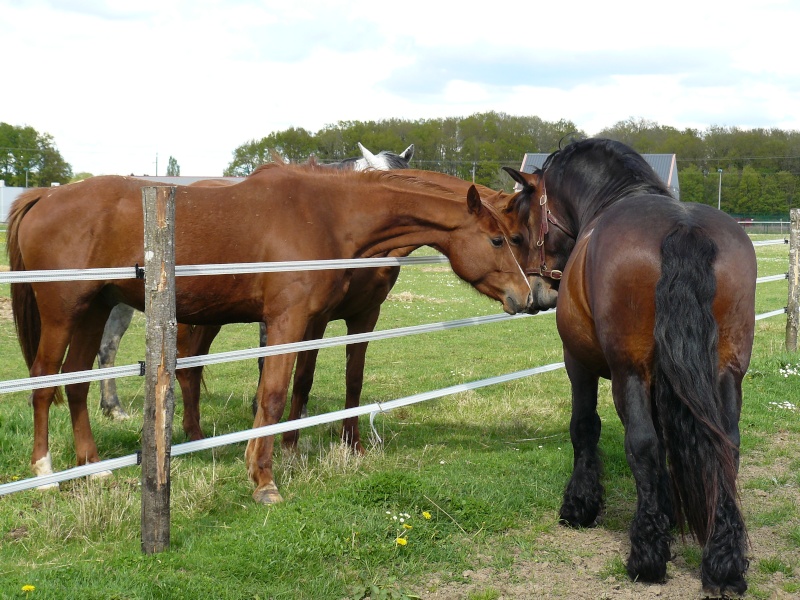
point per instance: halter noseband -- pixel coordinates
(544, 228)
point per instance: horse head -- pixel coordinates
(552, 243)
(384, 160)
(495, 265)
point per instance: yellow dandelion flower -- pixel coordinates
(426, 514)
(401, 541)
(28, 588)
(407, 526)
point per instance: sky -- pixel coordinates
(123, 85)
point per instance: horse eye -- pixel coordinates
(516, 240)
(497, 242)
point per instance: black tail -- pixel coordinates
(702, 460)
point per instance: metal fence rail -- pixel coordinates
(221, 440)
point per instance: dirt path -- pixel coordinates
(5, 309)
(575, 564)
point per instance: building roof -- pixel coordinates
(663, 164)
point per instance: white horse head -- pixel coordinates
(383, 161)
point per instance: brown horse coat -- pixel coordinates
(277, 214)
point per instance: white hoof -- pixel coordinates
(44, 466)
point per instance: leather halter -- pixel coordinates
(546, 220)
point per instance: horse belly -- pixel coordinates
(577, 330)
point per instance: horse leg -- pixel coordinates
(354, 375)
(724, 560)
(262, 343)
(289, 327)
(650, 530)
(53, 343)
(301, 389)
(118, 322)
(82, 351)
(666, 492)
(193, 341)
(303, 382)
(583, 497)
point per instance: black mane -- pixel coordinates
(600, 172)
(395, 161)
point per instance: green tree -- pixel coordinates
(692, 181)
(173, 168)
(787, 194)
(476, 146)
(293, 144)
(749, 199)
(26, 156)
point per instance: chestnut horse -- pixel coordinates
(359, 308)
(278, 213)
(120, 318)
(659, 297)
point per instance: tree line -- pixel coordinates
(752, 172)
(760, 168)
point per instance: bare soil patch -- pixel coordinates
(584, 563)
(5, 309)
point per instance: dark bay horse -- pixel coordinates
(120, 318)
(278, 213)
(658, 296)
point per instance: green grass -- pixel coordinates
(488, 466)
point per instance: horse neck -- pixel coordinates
(406, 219)
(584, 202)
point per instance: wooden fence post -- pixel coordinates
(160, 360)
(793, 306)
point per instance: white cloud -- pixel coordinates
(117, 83)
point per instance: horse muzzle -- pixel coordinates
(544, 296)
(513, 305)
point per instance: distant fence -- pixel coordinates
(770, 227)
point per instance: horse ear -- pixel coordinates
(526, 180)
(277, 157)
(372, 162)
(408, 153)
(474, 203)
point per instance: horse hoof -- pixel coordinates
(267, 494)
(733, 589)
(290, 448)
(42, 467)
(47, 487)
(117, 413)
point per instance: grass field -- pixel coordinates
(475, 478)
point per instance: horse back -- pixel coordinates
(606, 302)
(98, 223)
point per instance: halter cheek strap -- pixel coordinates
(547, 218)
